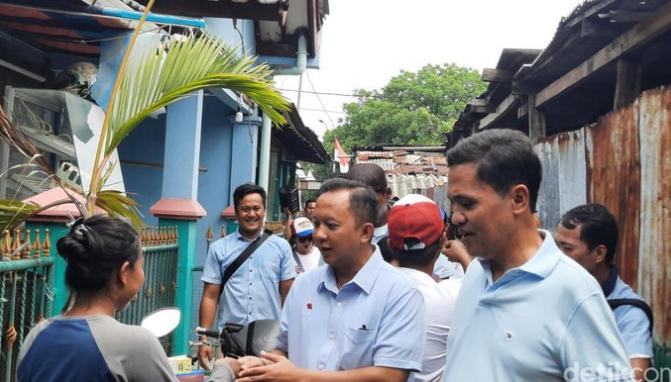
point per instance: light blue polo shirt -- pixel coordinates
(253, 292)
(544, 321)
(632, 322)
(377, 319)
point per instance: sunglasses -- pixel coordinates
(304, 239)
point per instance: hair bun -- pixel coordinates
(73, 247)
(95, 248)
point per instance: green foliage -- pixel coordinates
(14, 212)
(198, 63)
(413, 108)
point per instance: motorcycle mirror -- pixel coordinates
(162, 321)
(264, 336)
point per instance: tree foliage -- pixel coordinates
(413, 108)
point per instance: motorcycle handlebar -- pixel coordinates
(207, 332)
(229, 327)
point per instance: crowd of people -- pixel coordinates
(366, 289)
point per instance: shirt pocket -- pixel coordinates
(270, 266)
(357, 348)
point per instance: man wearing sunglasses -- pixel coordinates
(306, 254)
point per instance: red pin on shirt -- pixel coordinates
(309, 306)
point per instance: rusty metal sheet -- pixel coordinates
(564, 172)
(613, 155)
(548, 198)
(572, 171)
(655, 224)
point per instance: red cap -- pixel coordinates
(414, 216)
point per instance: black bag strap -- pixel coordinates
(617, 302)
(235, 265)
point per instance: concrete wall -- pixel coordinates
(144, 147)
(215, 159)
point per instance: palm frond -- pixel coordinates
(17, 138)
(13, 213)
(195, 64)
(120, 205)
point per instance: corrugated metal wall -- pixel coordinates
(563, 186)
(654, 274)
(614, 180)
(620, 162)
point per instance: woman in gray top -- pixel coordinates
(86, 343)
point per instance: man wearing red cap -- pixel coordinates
(416, 238)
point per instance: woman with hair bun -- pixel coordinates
(85, 343)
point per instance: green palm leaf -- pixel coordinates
(14, 212)
(197, 63)
(120, 205)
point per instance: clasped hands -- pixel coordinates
(269, 367)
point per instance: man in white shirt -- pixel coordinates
(415, 239)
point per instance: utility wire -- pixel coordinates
(376, 96)
(322, 110)
(307, 74)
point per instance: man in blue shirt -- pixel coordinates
(355, 319)
(258, 288)
(588, 234)
(525, 311)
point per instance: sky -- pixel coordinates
(367, 42)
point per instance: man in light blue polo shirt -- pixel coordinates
(356, 319)
(588, 234)
(525, 311)
(255, 291)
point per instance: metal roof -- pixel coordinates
(592, 28)
(402, 162)
(74, 27)
(402, 185)
(301, 141)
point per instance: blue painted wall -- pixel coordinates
(224, 29)
(215, 156)
(143, 181)
(147, 145)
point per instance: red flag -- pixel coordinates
(340, 156)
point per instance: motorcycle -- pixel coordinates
(235, 340)
(240, 340)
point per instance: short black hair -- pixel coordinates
(416, 257)
(504, 158)
(597, 227)
(369, 174)
(246, 189)
(95, 249)
(310, 201)
(363, 202)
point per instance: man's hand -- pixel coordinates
(280, 369)
(251, 361)
(456, 251)
(205, 356)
